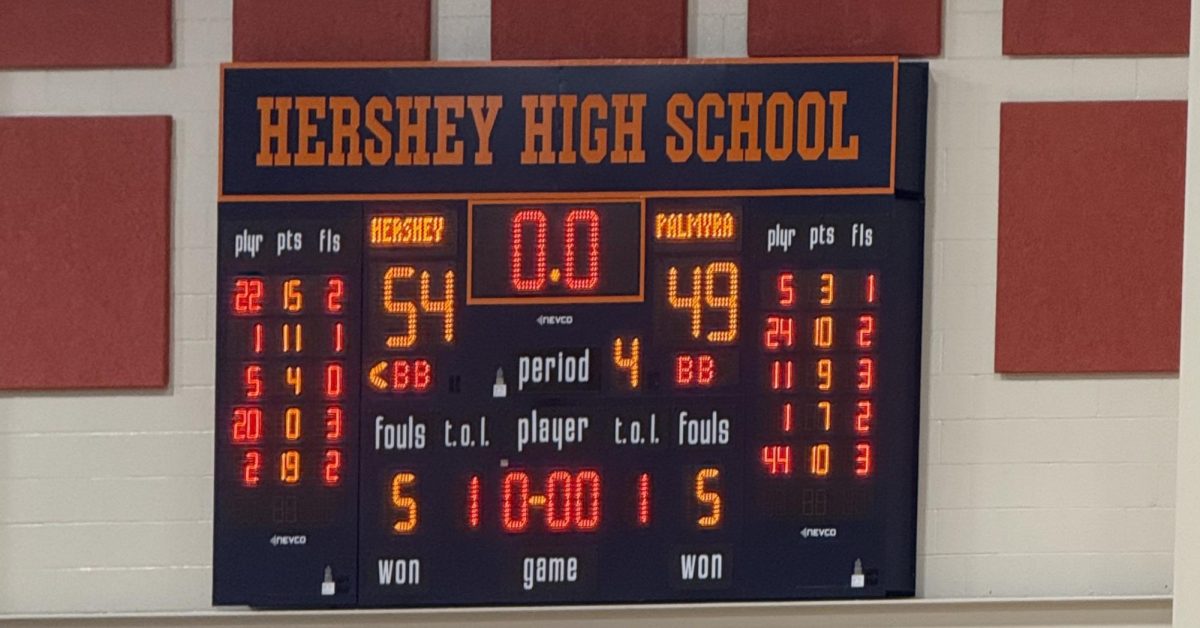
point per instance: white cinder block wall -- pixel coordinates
(1030, 487)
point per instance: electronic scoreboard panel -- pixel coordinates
(562, 334)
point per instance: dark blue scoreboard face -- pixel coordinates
(566, 399)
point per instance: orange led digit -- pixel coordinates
(866, 374)
(630, 363)
(818, 460)
(823, 332)
(708, 497)
(294, 377)
(293, 298)
(690, 303)
(824, 414)
(536, 218)
(729, 302)
(331, 468)
(335, 293)
(406, 521)
(407, 309)
(591, 221)
(827, 289)
(293, 337)
(444, 307)
(291, 424)
(289, 467)
(824, 374)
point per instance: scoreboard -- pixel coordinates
(574, 333)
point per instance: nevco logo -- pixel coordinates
(819, 533)
(280, 539)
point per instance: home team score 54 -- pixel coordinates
(453, 130)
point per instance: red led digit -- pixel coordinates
(785, 287)
(247, 425)
(559, 499)
(684, 370)
(339, 337)
(514, 502)
(520, 282)
(590, 219)
(864, 465)
(331, 469)
(473, 502)
(786, 415)
(334, 421)
(252, 468)
(777, 459)
(248, 296)
(586, 503)
(866, 374)
(864, 416)
(258, 339)
(872, 290)
(422, 375)
(334, 380)
(706, 370)
(252, 378)
(780, 332)
(335, 292)
(643, 501)
(783, 374)
(866, 331)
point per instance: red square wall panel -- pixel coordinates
(595, 29)
(844, 27)
(84, 252)
(1091, 237)
(1096, 27)
(324, 30)
(85, 33)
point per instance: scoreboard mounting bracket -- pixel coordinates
(568, 333)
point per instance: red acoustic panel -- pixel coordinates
(1091, 237)
(1096, 27)
(554, 29)
(84, 33)
(844, 27)
(85, 235)
(322, 30)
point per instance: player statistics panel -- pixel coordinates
(286, 467)
(638, 400)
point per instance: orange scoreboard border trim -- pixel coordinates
(544, 196)
(566, 299)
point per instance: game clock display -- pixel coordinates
(444, 399)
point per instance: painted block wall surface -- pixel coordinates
(1096, 27)
(1060, 486)
(85, 33)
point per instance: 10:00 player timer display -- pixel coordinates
(583, 389)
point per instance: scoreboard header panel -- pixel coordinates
(495, 335)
